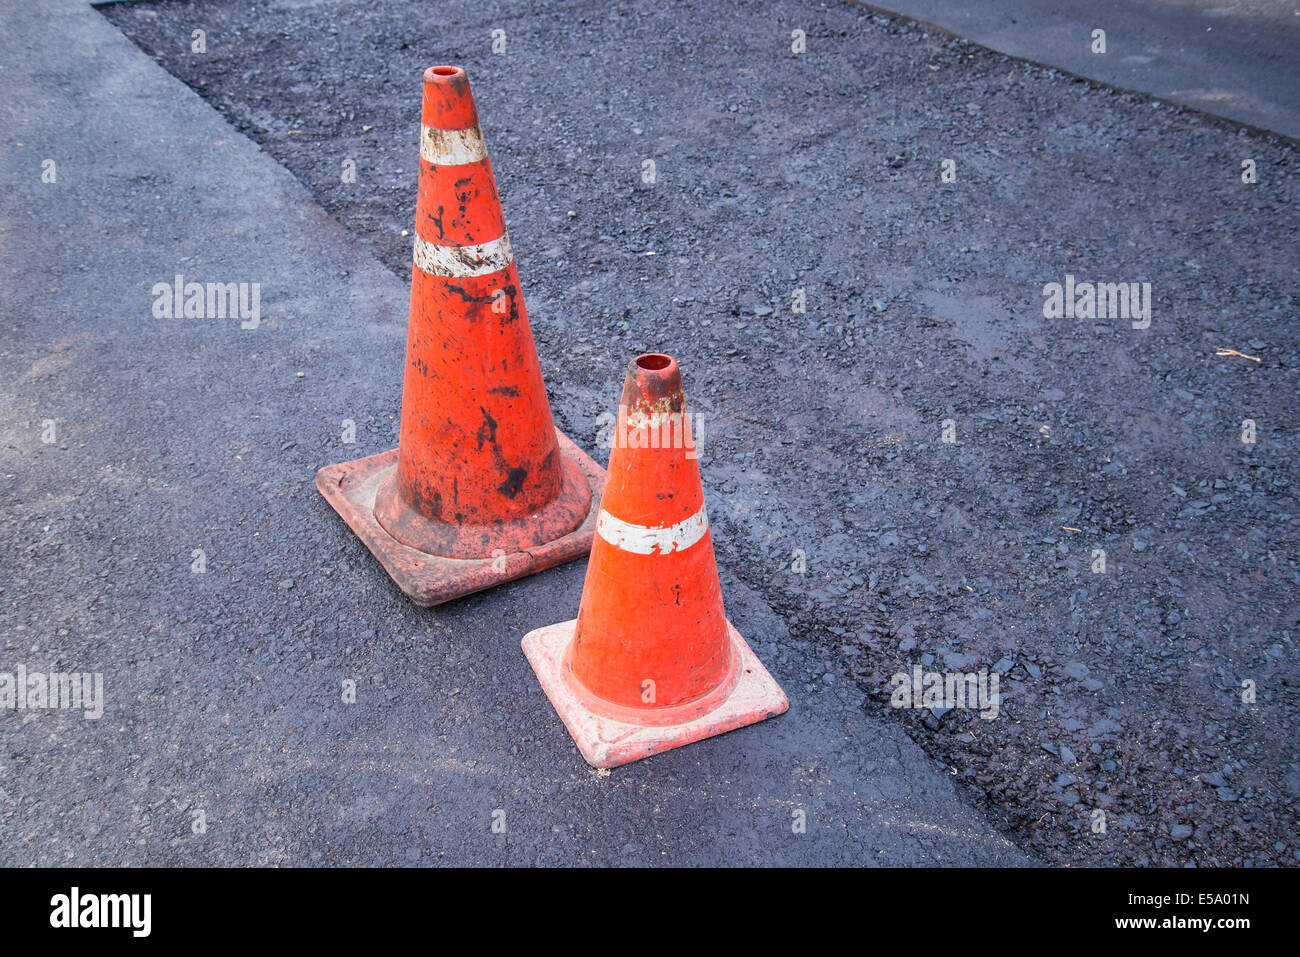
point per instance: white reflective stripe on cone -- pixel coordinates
(461, 261)
(452, 147)
(644, 540)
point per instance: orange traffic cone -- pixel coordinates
(482, 487)
(651, 662)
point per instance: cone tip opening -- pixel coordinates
(651, 378)
(442, 74)
(655, 362)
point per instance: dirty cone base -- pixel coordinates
(606, 742)
(431, 579)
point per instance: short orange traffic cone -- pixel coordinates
(651, 662)
(482, 487)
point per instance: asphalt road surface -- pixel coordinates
(1238, 59)
(844, 237)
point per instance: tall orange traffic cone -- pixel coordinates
(651, 662)
(482, 487)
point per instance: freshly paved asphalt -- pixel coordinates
(223, 688)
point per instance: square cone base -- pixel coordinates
(431, 579)
(608, 742)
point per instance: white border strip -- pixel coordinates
(643, 540)
(461, 261)
(452, 147)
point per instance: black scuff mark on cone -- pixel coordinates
(467, 296)
(487, 432)
(513, 294)
(514, 482)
